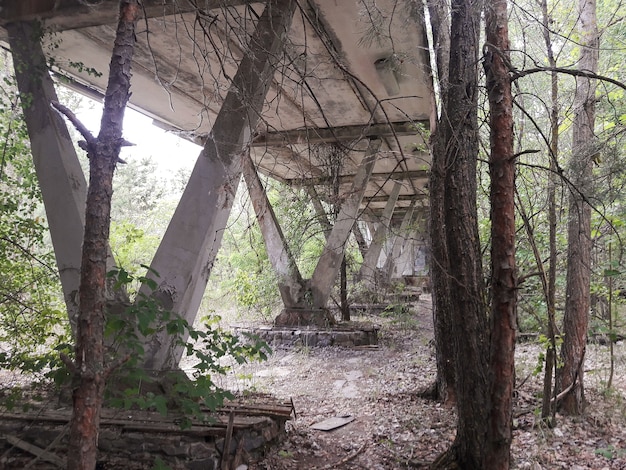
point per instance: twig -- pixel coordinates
(116, 365)
(562, 395)
(90, 141)
(293, 408)
(344, 460)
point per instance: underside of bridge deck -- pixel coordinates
(320, 92)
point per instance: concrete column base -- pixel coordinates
(297, 317)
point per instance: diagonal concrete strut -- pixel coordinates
(367, 272)
(329, 263)
(60, 176)
(187, 252)
(290, 282)
(399, 241)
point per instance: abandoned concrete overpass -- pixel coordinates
(318, 93)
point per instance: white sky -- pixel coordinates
(169, 151)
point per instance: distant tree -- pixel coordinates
(584, 151)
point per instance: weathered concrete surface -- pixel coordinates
(290, 282)
(331, 89)
(367, 272)
(312, 337)
(295, 317)
(399, 241)
(136, 439)
(186, 254)
(60, 176)
(327, 268)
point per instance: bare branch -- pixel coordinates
(80, 127)
(573, 72)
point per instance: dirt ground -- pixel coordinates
(393, 428)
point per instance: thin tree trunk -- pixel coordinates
(547, 410)
(90, 370)
(439, 263)
(503, 276)
(575, 320)
(343, 291)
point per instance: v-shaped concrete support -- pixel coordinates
(60, 176)
(290, 282)
(367, 272)
(329, 263)
(399, 241)
(187, 252)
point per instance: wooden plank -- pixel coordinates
(36, 451)
(333, 423)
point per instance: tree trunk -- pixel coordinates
(547, 409)
(468, 315)
(439, 264)
(575, 320)
(503, 275)
(90, 370)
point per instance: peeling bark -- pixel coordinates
(89, 368)
(466, 303)
(503, 273)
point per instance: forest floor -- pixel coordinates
(394, 428)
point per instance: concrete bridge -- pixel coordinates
(318, 94)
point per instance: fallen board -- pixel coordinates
(333, 423)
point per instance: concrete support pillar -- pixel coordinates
(187, 252)
(399, 241)
(319, 211)
(60, 176)
(367, 272)
(290, 282)
(360, 239)
(329, 263)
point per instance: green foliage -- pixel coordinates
(32, 315)
(211, 347)
(243, 273)
(159, 464)
(546, 343)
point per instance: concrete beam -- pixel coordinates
(187, 252)
(345, 179)
(60, 175)
(290, 282)
(402, 198)
(62, 15)
(367, 272)
(317, 135)
(328, 266)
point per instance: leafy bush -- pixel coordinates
(211, 346)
